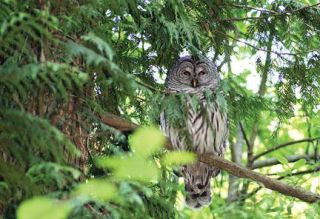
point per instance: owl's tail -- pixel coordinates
(197, 184)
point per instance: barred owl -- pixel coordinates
(206, 127)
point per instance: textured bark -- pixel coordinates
(228, 166)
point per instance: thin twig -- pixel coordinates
(306, 7)
(280, 54)
(317, 169)
(252, 8)
(273, 161)
(250, 152)
(284, 145)
(274, 14)
(151, 87)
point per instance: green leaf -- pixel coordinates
(97, 189)
(178, 158)
(41, 207)
(146, 141)
(299, 163)
(281, 159)
(131, 168)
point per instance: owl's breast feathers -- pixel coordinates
(208, 129)
(205, 129)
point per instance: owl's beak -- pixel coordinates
(194, 82)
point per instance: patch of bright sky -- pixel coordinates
(274, 124)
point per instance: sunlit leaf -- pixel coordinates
(281, 159)
(178, 158)
(299, 163)
(41, 207)
(132, 168)
(147, 140)
(97, 189)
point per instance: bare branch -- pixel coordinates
(229, 166)
(317, 169)
(272, 13)
(305, 7)
(280, 54)
(284, 145)
(118, 122)
(150, 87)
(252, 8)
(273, 161)
(249, 146)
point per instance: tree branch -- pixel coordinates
(118, 122)
(284, 145)
(249, 146)
(268, 182)
(228, 166)
(273, 161)
(280, 54)
(252, 8)
(272, 13)
(317, 169)
(236, 157)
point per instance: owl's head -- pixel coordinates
(192, 75)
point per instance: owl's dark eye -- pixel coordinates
(186, 73)
(202, 73)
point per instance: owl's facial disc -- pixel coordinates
(192, 76)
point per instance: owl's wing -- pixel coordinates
(219, 126)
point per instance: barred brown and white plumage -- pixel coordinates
(206, 127)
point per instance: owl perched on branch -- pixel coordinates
(205, 129)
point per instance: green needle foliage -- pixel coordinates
(65, 64)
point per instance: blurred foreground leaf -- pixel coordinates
(40, 208)
(146, 141)
(97, 189)
(178, 158)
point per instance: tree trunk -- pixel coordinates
(236, 152)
